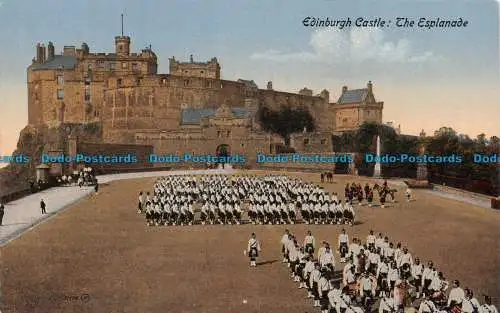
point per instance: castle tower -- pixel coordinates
(122, 44)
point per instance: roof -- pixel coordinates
(58, 62)
(194, 116)
(353, 96)
(248, 83)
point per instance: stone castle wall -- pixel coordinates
(156, 102)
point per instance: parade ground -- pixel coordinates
(97, 254)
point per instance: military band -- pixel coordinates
(374, 278)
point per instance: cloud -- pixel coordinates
(358, 45)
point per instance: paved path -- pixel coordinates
(24, 214)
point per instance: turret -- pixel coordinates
(369, 86)
(122, 45)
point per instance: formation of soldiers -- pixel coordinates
(270, 200)
(375, 273)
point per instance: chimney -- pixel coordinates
(38, 53)
(369, 86)
(44, 53)
(51, 51)
(344, 89)
(269, 85)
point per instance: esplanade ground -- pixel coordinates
(99, 256)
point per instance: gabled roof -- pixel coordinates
(248, 83)
(353, 96)
(58, 62)
(194, 116)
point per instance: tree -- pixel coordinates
(286, 121)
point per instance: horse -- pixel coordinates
(384, 191)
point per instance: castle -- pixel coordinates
(191, 109)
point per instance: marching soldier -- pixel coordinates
(309, 243)
(343, 246)
(253, 249)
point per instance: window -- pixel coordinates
(119, 82)
(202, 72)
(243, 145)
(87, 94)
(185, 72)
(112, 66)
(135, 67)
(164, 81)
(90, 66)
(228, 133)
(124, 65)
(60, 80)
(186, 82)
(306, 141)
(60, 94)
(323, 141)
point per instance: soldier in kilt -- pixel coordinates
(253, 249)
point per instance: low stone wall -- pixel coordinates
(465, 193)
(495, 203)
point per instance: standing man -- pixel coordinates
(42, 206)
(343, 245)
(408, 194)
(284, 243)
(253, 249)
(2, 212)
(309, 243)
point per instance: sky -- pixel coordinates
(427, 78)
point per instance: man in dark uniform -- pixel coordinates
(2, 212)
(42, 206)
